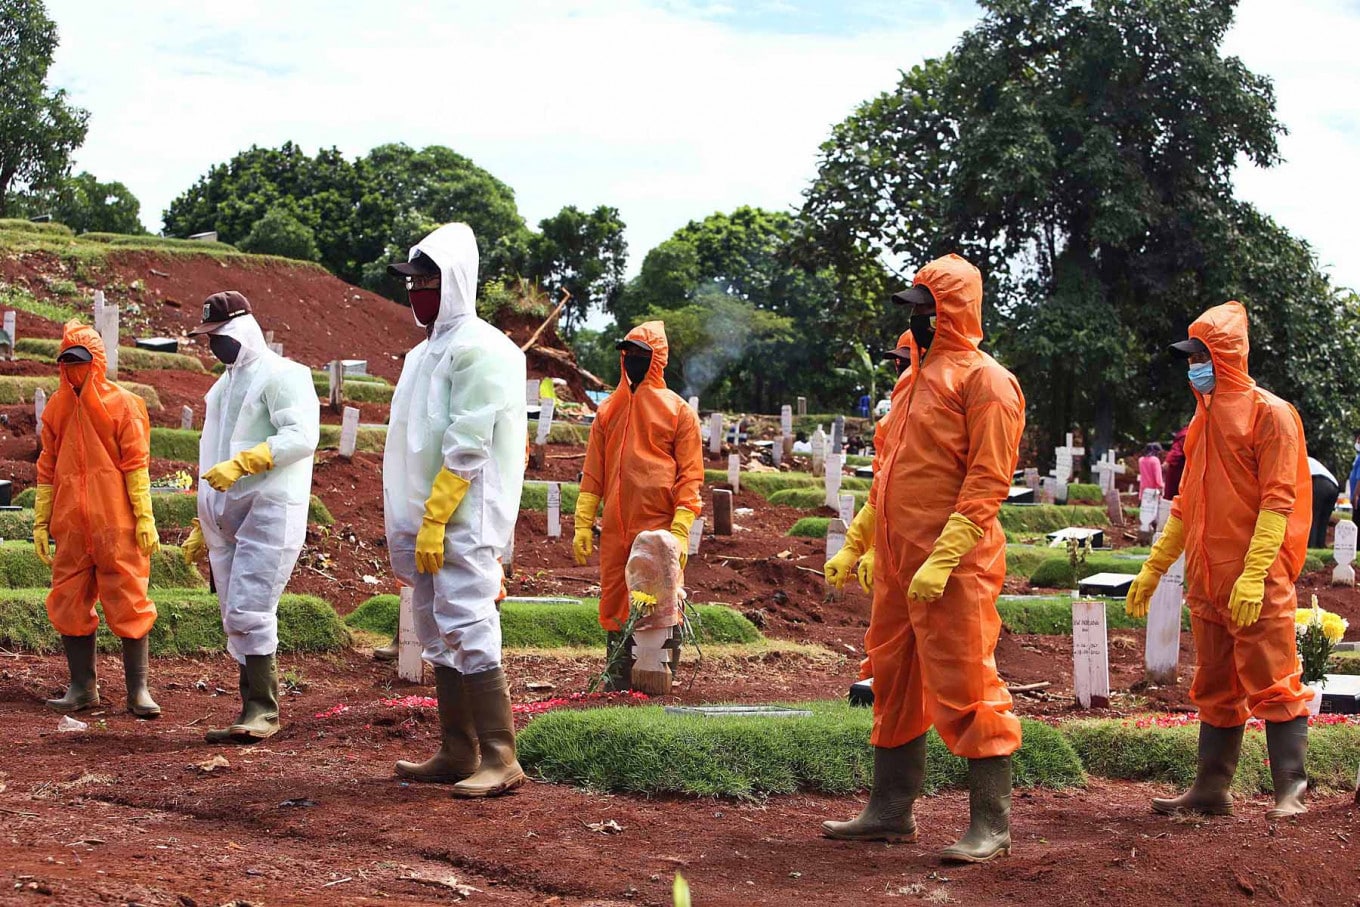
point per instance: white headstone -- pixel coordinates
(818, 444)
(777, 451)
(694, 405)
(1048, 490)
(835, 537)
(1032, 478)
(715, 433)
(847, 508)
(545, 419)
(531, 392)
(39, 404)
(1090, 655)
(802, 406)
(186, 417)
(1344, 554)
(9, 331)
(98, 310)
(349, 432)
(409, 664)
(1162, 653)
(268, 336)
(838, 434)
(275, 348)
(109, 335)
(554, 510)
(1108, 468)
(1148, 506)
(833, 480)
(786, 420)
(696, 535)
(734, 472)
(1163, 513)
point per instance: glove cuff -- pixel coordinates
(860, 534)
(42, 505)
(1169, 547)
(445, 496)
(586, 505)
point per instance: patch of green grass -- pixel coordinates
(644, 750)
(1085, 494)
(1056, 571)
(189, 623)
(564, 433)
(1344, 663)
(1052, 616)
(369, 439)
(856, 460)
(19, 298)
(527, 625)
(355, 390)
(535, 496)
(812, 498)
(89, 251)
(129, 357)
(48, 228)
(811, 527)
(171, 509)
(767, 484)
(1039, 519)
(175, 444)
(19, 389)
(21, 569)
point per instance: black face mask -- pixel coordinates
(224, 348)
(923, 330)
(635, 366)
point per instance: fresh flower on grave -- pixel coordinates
(1186, 719)
(333, 712)
(180, 480)
(1318, 631)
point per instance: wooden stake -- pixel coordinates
(722, 511)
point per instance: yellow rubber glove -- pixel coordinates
(865, 571)
(246, 463)
(42, 516)
(138, 483)
(583, 542)
(194, 548)
(958, 537)
(1244, 605)
(859, 538)
(1169, 547)
(680, 527)
(445, 496)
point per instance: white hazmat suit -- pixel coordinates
(458, 405)
(255, 529)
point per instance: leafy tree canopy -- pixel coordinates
(86, 205)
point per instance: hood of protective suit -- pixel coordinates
(652, 333)
(957, 287)
(454, 249)
(1224, 329)
(246, 331)
(77, 334)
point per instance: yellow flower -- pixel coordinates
(1333, 627)
(643, 602)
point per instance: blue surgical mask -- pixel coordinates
(1202, 377)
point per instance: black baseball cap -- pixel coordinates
(219, 309)
(635, 345)
(1188, 347)
(915, 295)
(420, 265)
(75, 354)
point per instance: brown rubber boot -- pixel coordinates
(618, 662)
(1219, 748)
(83, 691)
(136, 654)
(390, 651)
(488, 698)
(989, 811)
(1287, 745)
(223, 735)
(457, 757)
(899, 773)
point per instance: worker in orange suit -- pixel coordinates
(941, 559)
(645, 460)
(1242, 519)
(94, 502)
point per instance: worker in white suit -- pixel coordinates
(260, 430)
(453, 469)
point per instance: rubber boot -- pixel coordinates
(488, 697)
(83, 691)
(1287, 745)
(619, 671)
(456, 758)
(260, 718)
(1219, 748)
(135, 659)
(989, 812)
(390, 651)
(899, 773)
(223, 735)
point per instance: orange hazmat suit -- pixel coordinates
(1244, 453)
(90, 441)
(645, 461)
(951, 444)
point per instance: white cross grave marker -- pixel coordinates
(715, 434)
(1108, 468)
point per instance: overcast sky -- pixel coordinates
(669, 110)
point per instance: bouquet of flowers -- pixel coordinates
(1318, 631)
(179, 481)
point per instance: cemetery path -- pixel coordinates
(124, 813)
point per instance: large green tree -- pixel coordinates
(39, 128)
(581, 252)
(86, 205)
(1081, 153)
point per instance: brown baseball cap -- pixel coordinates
(219, 309)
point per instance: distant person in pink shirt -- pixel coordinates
(1150, 469)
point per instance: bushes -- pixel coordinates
(19, 389)
(1040, 519)
(355, 390)
(767, 484)
(1056, 572)
(21, 569)
(644, 750)
(535, 496)
(129, 357)
(811, 527)
(564, 433)
(527, 625)
(189, 623)
(1053, 616)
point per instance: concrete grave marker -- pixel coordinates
(39, 404)
(802, 406)
(268, 336)
(409, 664)
(734, 472)
(694, 405)
(722, 511)
(98, 309)
(9, 332)
(1161, 656)
(1344, 553)
(349, 433)
(108, 332)
(1148, 505)
(1163, 513)
(554, 510)
(833, 480)
(545, 420)
(818, 445)
(1090, 655)
(1114, 508)
(186, 417)
(1107, 468)
(835, 541)
(335, 395)
(838, 435)
(531, 387)
(847, 508)
(1047, 490)
(715, 434)
(786, 420)
(1032, 478)
(696, 535)
(777, 451)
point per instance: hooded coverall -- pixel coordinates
(644, 460)
(1244, 453)
(459, 405)
(255, 529)
(91, 440)
(951, 442)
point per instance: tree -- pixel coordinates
(86, 205)
(38, 128)
(279, 232)
(1081, 154)
(582, 253)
